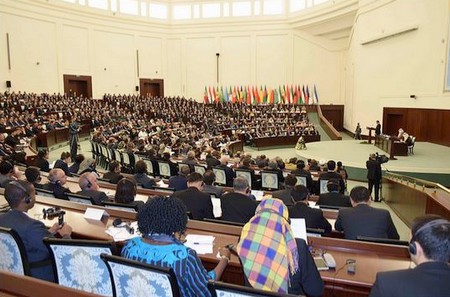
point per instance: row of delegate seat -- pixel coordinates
(107, 274)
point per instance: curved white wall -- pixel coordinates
(47, 41)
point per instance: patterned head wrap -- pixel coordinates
(267, 248)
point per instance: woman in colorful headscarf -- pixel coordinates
(272, 259)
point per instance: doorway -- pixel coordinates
(77, 85)
(151, 87)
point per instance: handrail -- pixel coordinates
(416, 182)
(327, 126)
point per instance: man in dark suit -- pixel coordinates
(63, 163)
(333, 197)
(229, 173)
(21, 197)
(332, 174)
(237, 206)
(313, 217)
(302, 172)
(430, 251)
(89, 188)
(42, 161)
(212, 159)
(378, 128)
(179, 182)
(285, 194)
(364, 220)
(113, 174)
(208, 178)
(374, 175)
(196, 201)
(56, 181)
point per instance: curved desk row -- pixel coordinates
(370, 258)
(261, 142)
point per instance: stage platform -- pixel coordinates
(429, 161)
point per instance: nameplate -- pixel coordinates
(95, 214)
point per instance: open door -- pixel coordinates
(76, 85)
(151, 87)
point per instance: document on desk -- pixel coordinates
(202, 244)
(298, 227)
(121, 233)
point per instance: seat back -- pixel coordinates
(149, 164)
(131, 278)
(221, 177)
(80, 199)
(164, 169)
(78, 264)
(118, 156)
(247, 174)
(301, 180)
(200, 169)
(44, 193)
(181, 165)
(120, 206)
(269, 180)
(13, 257)
(230, 290)
(323, 186)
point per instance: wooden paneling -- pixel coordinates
(409, 201)
(431, 125)
(335, 115)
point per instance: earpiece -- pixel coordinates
(18, 185)
(431, 224)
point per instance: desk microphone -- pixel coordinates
(119, 224)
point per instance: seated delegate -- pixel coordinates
(162, 222)
(272, 259)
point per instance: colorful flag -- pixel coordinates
(316, 98)
(205, 96)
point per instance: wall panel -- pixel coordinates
(75, 50)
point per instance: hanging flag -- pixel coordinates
(225, 95)
(294, 95)
(308, 95)
(305, 96)
(276, 98)
(249, 96)
(288, 95)
(315, 94)
(205, 96)
(299, 94)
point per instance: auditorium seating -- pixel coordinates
(129, 278)
(14, 258)
(78, 264)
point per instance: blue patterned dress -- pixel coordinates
(192, 277)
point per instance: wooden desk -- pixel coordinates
(16, 285)
(369, 139)
(409, 201)
(393, 148)
(58, 137)
(282, 140)
(370, 257)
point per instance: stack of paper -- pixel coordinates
(202, 244)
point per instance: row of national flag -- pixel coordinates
(285, 94)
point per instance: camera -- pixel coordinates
(381, 158)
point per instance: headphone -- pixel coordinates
(53, 181)
(22, 188)
(429, 225)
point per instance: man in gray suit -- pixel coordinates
(209, 178)
(364, 220)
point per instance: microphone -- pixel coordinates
(119, 224)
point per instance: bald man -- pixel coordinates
(89, 188)
(56, 180)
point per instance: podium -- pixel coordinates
(369, 140)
